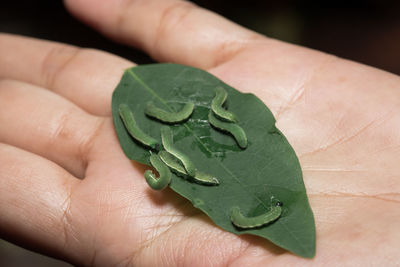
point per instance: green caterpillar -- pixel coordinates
(130, 124)
(162, 169)
(216, 105)
(239, 220)
(232, 128)
(200, 177)
(169, 117)
(168, 143)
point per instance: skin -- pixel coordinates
(61, 194)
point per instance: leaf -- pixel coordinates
(254, 179)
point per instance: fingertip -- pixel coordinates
(93, 12)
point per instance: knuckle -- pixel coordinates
(56, 60)
(62, 127)
(86, 145)
(69, 131)
(171, 17)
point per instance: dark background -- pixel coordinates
(364, 31)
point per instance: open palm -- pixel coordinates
(66, 188)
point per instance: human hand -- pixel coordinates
(341, 118)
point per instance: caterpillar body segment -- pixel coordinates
(163, 170)
(216, 106)
(175, 166)
(168, 143)
(169, 117)
(234, 129)
(131, 126)
(241, 221)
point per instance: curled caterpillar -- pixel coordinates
(169, 117)
(168, 143)
(130, 124)
(162, 169)
(216, 105)
(239, 220)
(200, 177)
(232, 128)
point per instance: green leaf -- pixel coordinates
(254, 179)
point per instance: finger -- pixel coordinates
(34, 198)
(46, 124)
(171, 30)
(87, 77)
